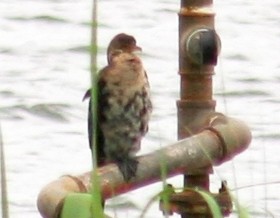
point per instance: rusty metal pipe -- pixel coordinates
(196, 17)
(199, 46)
(216, 144)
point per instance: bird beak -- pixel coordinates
(137, 48)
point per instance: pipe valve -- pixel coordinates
(203, 46)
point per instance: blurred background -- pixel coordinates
(44, 73)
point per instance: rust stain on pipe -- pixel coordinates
(200, 151)
(196, 11)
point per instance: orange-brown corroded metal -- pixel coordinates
(192, 203)
(196, 80)
(196, 101)
(222, 141)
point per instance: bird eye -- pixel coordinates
(114, 54)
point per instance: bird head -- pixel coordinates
(125, 43)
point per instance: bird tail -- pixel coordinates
(128, 167)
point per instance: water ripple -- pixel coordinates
(51, 111)
(45, 18)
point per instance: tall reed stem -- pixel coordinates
(4, 191)
(97, 210)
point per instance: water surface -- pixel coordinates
(45, 71)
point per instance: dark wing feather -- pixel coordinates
(100, 138)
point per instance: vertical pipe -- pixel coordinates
(196, 83)
(196, 80)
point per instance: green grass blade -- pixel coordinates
(80, 204)
(97, 209)
(164, 194)
(77, 205)
(241, 211)
(4, 191)
(211, 202)
(93, 74)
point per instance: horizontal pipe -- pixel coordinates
(224, 138)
